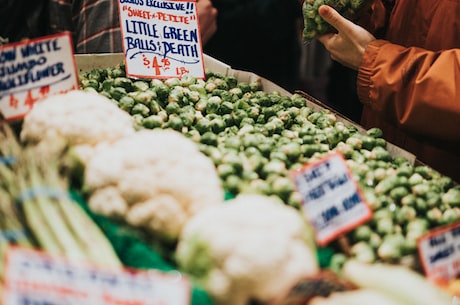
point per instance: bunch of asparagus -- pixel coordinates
(36, 209)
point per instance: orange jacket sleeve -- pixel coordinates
(417, 89)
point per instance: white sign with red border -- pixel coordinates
(439, 252)
(332, 200)
(33, 69)
(34, 277)
(161, 39)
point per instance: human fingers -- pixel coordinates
(347, 46)
(329, 42)
(207, 18)
(332, 17)
(325, 38)
(207, 7)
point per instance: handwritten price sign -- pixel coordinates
(439, 252)
(33, 277)
(332, 201)
(161, 38)
(32, 70)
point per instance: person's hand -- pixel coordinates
(348, 44)
(207, 18)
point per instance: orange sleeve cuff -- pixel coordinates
(367, 93)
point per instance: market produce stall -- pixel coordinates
(156, 163)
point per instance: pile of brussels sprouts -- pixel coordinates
(257, 138)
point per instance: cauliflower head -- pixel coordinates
(154, 180)
(78, 117)
(253, 247)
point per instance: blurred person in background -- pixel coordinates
(22, 19)
(328, 81)
(207, 16)
(260, 36)
(94, 24)
(341, 91)
(408, 74)
(314, 66)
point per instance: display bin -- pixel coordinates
(87, 62)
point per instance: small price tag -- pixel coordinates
(33, 277)
(161, 39)
(34, 69)
(439, 252)
(332, 201)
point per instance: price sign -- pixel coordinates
(161, 38)
(33, 277)
(332, 201)
(439, 252)
(34, 69)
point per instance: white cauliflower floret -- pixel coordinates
(99, 199)
(78, 117)
(253, 247)
(162, 206)
(160, 174)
